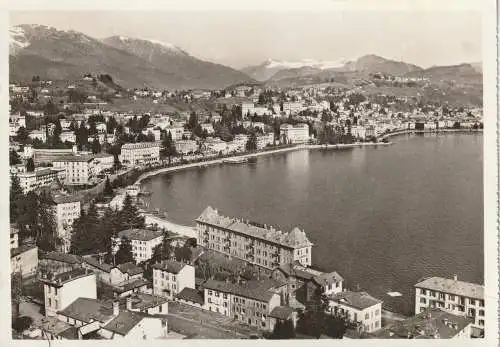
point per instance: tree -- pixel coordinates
(335, 326)
(111, 125)
(124, 253)
(183, 253)
(22, 135)
(129, 216)
(96, 145)
(251, 144)
(14, 158)
(164, 250)
(16, 196)
(16, 292)
(30, 165)
(45, 228)
(283, 330)
(88, 236)
(108, 190)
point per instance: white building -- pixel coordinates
(240, 140)
(358, 131)
(171, 277)
(38, 134)
(143, 242)
(103, 161)
(185, 146)
(293, 107)
(176, 131)
(208, 127)
(357, 307)
(454, 296)
(62, 289)
(79, 169)
(265, 140)
(215, 145)
(140, 153)
(67, 209)
(68, 136)
(294, 134)
(41, 177)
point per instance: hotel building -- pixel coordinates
(454, 296)
(143, 242)
(294, 134)
(140, 153)
(259, 245)
(41, 177)
(79, 169)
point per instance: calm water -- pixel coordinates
(382, 217)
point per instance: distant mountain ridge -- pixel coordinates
(58, 54)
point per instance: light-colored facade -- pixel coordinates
(30, 181)
(293, 107)
(454, 296)
(103, 162)
(66, 210)
(24, 260)
(68, 136)
(171, 277)
(61, 290)
(143, 242)
(259, 245)
(250, 303)
(357, 307)
(294, 134)
(265, 140)
(80, 170)
(140, 153)
(186, 146)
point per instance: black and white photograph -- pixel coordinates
(268, 173)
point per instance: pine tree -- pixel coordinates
(96, 145)
(30, 165)
(14, 158)
(16, 196)
(129, 216)
(124, 253)
(87, 234)
(45, 228)
(108, 190)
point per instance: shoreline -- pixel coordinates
(430, 131)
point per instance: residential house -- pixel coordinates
(171, 277)
(140, 153)
(24, 260)
(79, 169)
(143, 242)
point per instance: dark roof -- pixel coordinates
(257, 290)
(282, 312)
(295, 270)
(73, 158)
(128, 285)
(62, 257)
(70, 334)
(85, 309)
(144, 301)
(64, 199)
(431, 323)
(192, 295)
(140, 234)
(360, 300)
(68, 276)
(170, 266)
(21, 249)
(95, 263)
(130, 268)
(328, 278)
(124, 322)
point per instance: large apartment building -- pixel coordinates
(454, 296)
(143, 242)
(67, 209)
(79, 168)
(259, 245)
(41, 177)
(294, 133)
(140, 153)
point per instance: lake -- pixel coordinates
(383, 217)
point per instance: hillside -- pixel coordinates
(56, 54)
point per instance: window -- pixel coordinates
(451, 297)
(56, 304)
(481, 322)
(441, 296)
(422, 300)
(377, 312)
(367, 316)
(481, 303)
(423, 291)
(224, 296)
(50, 302)
(225, 304)
(209, 300)
(217, 294)
(376, 324)
(264, 306)
(433, 293)
(472, 301)
(209, 292)
(481, 313)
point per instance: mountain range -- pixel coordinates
(136, 62)
(133, 62)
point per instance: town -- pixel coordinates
(90, 261)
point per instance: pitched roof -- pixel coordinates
(140, 234)
(74, 158)
(128, 285)
(21, 249)
(192, 295)
(359, 300)
(296, 238)
(68, 276)
(451, 286)
(95, 263)
(327, 278)
(170, 266)
(85, 309)
(130, 268)
(432, 323)
(62, 257)
(142, 301)
(256, 290)
(282, 312)
(124, 322)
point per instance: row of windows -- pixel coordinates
(165, 275)
(443, 296)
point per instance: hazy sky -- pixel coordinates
(246, 38)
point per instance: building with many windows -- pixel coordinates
(171, 277)
(186, 146)
(143, 242)
(357, 307)
(257, 244)
(454, 296)
(294, 133)
(140, 153)
(79, 169)
(41, 177)
(250, 302)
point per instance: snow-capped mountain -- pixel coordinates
(58, 54)
(270, 67)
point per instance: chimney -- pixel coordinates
(455, 277)
(116, 308)
(129, 303)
